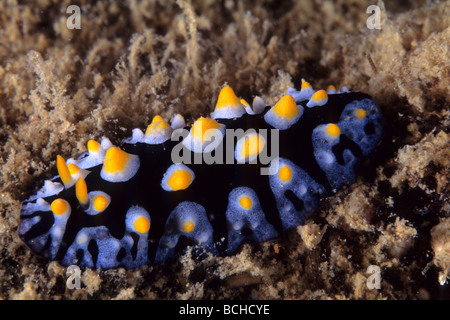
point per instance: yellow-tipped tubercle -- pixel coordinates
(320, 95)
(141, 225)
(188, 226)
(252, 146)
(245, 202)
(201, 125)
(227, 98)
(305, 85)
(73, 168)
(59, 206)
(286, 108)
(115, 160)
(285, 173)
(179, 180)
(64, 172)
(93, 146)
(333, 130)
(360, 113)
(81, 192)
(158, 124)
(100, 203)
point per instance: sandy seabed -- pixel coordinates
(134, 59)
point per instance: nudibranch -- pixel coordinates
(246, 173)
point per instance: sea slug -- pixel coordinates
(245, 173)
